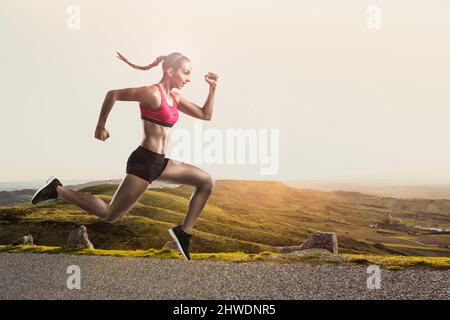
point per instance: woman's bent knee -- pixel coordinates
(208, 184)
(113, 217)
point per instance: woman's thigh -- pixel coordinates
(127, 194)
(178, 172)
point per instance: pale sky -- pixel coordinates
(349, 102)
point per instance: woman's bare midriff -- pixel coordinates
(155, 137)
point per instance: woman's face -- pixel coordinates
(182, 75)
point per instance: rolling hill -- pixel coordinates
(245, 215)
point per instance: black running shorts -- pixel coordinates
(146, 164)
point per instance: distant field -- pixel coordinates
(382, 189)
(247, 216)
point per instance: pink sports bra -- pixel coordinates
(165, 115)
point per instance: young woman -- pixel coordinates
(159, 112)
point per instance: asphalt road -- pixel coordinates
(44, 276)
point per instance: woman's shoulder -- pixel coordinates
(153, 89)
(153, 97)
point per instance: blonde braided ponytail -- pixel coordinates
(172, 60)
(147, 67)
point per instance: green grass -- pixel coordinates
(400, 262)
(388, 262)
(163, 253)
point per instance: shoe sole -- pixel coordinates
(172, 234)
(50, 180)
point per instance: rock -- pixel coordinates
(25, 240)
(171, 245)
(79, 238)
(321, 240)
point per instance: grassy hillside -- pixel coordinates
(248, 216)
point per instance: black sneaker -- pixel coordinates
(47, 191)
(182, 239)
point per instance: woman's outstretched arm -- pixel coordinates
(196, 111)
(141, 94)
